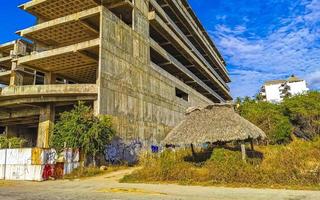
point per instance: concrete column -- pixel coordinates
(140, 17)
(16, 78)
(49, 78)
(96, 107)
(46, 123)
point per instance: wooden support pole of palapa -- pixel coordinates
(193, 152)
(252, 145)
(243, 151)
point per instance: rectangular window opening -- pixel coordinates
(182, 95)
(2, 130)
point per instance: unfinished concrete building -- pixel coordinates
(142, 61)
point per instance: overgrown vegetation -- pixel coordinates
(269, 117)
(80, 128)
(12, 142)
(296, 165)
(304, 113)
(299, 115)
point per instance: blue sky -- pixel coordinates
(260, 39)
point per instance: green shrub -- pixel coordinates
(299, 113)
(80, 128)
(13, 142)
(304, 113)
(270, 118)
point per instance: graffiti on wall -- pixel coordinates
(37, 164)
(118, 151)
(50, 156)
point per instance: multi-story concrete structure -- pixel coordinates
(275, 91)
(142, 61)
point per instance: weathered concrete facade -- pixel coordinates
(142, 61)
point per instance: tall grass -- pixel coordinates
(294, 165)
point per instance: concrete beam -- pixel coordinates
(5, 59)
(35, 94)
(118, 3)
(18, 113)
(7, 47)
(181, 35)
(59, 25)
(182, 68)
(33, 120)
(47, 9)
(5, 77)
(208, 46)
(59, 51)
(159, 24)
(40, 100)
(48, 90)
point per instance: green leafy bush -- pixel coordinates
(298, 114)
(12, 142)
(80, 128)
(270, 118)
(304, 113)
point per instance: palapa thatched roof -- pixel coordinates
(214, 123)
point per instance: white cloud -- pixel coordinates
(290, 48)
(314, 79)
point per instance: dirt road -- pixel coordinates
(107, 187)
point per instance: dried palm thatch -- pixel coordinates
(214, 123)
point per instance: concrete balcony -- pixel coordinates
(35, 94)
(78, 62)
(5, 62)
(64, 31)
(48, 9)
(6, 48)
(5, 55)
(5, 77)
(165, 31)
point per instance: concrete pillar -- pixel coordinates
(46, 123)
(49, 78)
(140, 17)
(96, 107)
(16, 78)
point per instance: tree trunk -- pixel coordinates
(94, 160)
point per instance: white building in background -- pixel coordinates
(274, 91)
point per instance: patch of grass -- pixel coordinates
(86, 172)
(4, 183)
(295, 166)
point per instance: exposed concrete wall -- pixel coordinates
(140, 97)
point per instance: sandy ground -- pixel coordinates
(107, 187)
